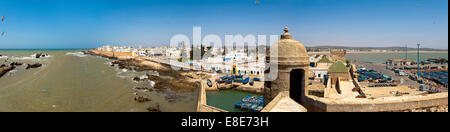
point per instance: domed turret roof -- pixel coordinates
(290, 51)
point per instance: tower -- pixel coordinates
(293, 63)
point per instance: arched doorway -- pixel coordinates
(297, 84)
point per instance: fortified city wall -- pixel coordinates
(366, 105)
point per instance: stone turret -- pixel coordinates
(293, 63)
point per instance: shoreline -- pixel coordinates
(179, 82)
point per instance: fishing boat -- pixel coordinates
(251, 103)
(253, 107)
(259, 108)
(224, 77)
(246, 98)
(239, 76)
(228, 81)
(209, 83)
(220, 81)
(246, 106)
(238, 104)
(240, 80)
(245, 81)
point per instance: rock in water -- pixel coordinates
(141, 99)
(5, 69)
(16, 64)
(37, 65)
(38, 55)
(144, 88)
(154, 109)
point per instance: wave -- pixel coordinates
(12, 72)
(31, 57)
(79, 54)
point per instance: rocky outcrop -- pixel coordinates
(5, 69)
(123, 64)
(137, 79)
(16, 64)
(37, 65)
(41, 55)
(141, 99)
(154, 109)
(144, 88)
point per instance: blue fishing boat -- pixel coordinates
(245, 81)
(209, 83)
(239, 76)
(224, 77)
(253, 107)
(251, 103)
(220, 81)
(259, 108)
(246, 106)
(228, 81)
(238, 104)
(240, 80)
(257, 79)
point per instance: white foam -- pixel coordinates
(152, 83)
(143, 77)
(12, 72)
(79, 54)
(24, 58)
(31, 57)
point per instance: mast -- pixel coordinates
(406, 51)
(418, 62)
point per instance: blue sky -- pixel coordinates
(91, 23)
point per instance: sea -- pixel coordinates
(383, 57)
(70, 81)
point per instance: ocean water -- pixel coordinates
(71, 81)
(383, 57)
